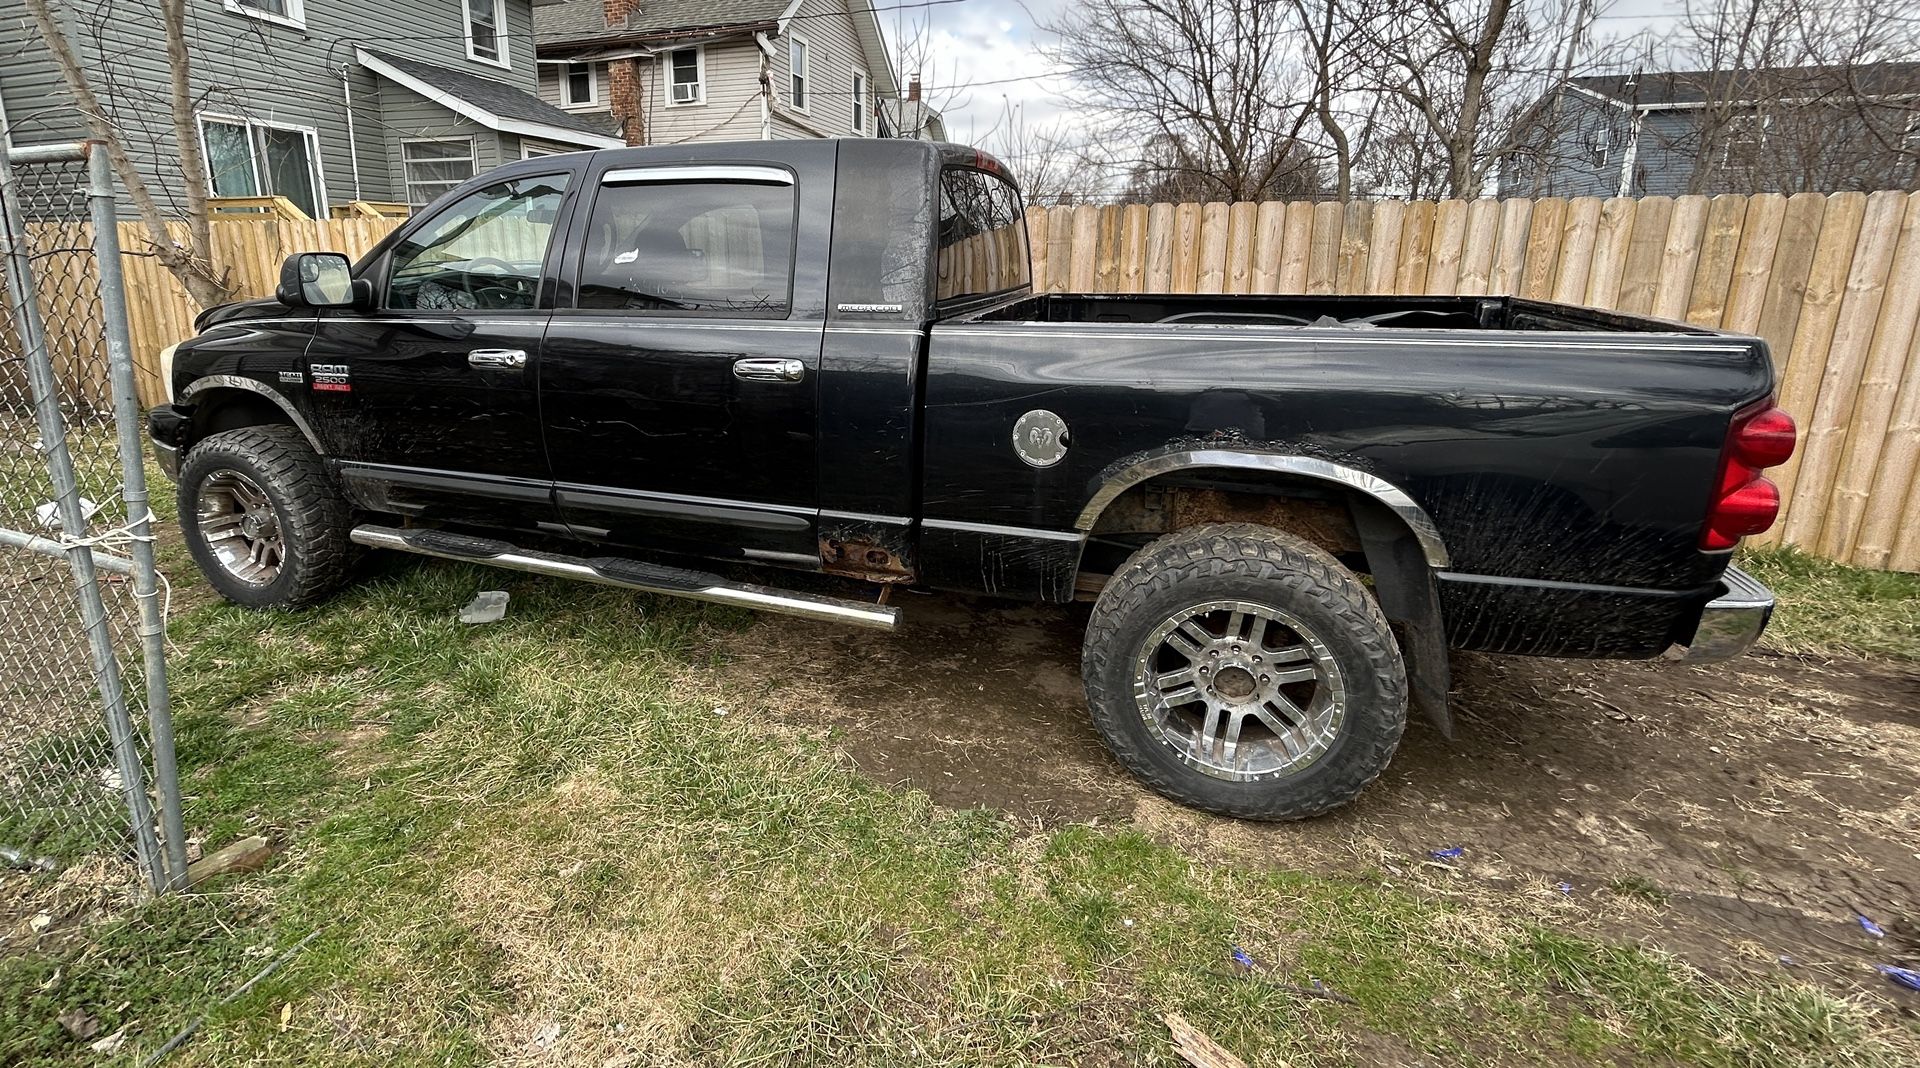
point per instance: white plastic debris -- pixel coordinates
(488, 606)
(48, 514)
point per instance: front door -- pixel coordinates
(678, 383)
(433, 395)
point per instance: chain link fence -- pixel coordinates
(86, 748)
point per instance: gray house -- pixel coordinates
(323, 102)
(667, 71)
(1785, 130)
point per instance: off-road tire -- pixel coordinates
(1243, 561)
(312, 515)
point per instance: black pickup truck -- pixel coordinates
(828, 356)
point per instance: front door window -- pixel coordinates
(483, 251)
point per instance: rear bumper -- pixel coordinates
(1730, 623)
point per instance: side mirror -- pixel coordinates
(316, 280)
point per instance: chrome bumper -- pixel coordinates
(1730, 623)
(167, 457)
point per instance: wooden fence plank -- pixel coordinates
(1820, 313)
(1713, 273)
(1544, 232)
(1808, 482)
(1678, 259)
(1759, 238)
(1383, 247)
(1133, 256)
(1611, 234)
(1241, 219)
(1270, 232)
(1416, 248)
(1482, 244)
(1086, 248)
(1578, 235)
(1323, 248)
(1037, 250)
(1510, 258)
(1106, 269)
(1212, 274)
(1356, 235)
(1449, 245)
(1873, 407)
(1297, 250)
(1186, 248)
(1160, 238)
(1787, 281)
(1640, 276)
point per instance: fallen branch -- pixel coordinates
(187, 1031)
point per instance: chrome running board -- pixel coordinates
(627, 574)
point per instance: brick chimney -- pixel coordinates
(913, 84)
(618, 10)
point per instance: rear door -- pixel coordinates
(432, 395)
(678, 380)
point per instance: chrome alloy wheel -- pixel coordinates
(241, 529)
(1239, 690)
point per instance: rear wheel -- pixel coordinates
(1246, 672)
(263, 518)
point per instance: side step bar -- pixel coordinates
(627, 574)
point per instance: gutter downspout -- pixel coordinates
(353, 142)
(1632, 154)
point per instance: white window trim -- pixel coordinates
(699, 77)
(407, 183)
(531, 150)
(318, 174)
(593, 86)
(295, 17)
(499, 33)
(862, 89)
(806, 101)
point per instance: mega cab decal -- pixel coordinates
(332, 378)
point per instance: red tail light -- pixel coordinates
(1745, 502)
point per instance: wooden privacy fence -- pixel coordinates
(1831, 281)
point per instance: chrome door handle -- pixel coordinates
(761, 370)
(497, 358)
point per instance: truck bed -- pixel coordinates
(1566, 456)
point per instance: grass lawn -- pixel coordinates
(556, 840)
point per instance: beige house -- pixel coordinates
(666, 71)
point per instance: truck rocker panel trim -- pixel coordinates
(1395, 498)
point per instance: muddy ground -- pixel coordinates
(1754, 806)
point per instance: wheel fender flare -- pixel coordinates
(210, 383)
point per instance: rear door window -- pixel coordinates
(717, 245)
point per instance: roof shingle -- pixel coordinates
(584, 21)
(496, 97)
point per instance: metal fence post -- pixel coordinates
(133, 490)
(44, 386)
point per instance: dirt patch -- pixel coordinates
(1735, 814)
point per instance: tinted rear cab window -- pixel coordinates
(982, 235)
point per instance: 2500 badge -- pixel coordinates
(332, 378)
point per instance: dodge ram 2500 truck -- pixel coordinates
(828, 356)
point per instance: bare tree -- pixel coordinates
(1462, 74)
(1796, 95)
(1050, 168)
(191, 263)
(1204, 94)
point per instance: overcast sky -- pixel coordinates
(995, 46)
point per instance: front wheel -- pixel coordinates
(1245, 672)
(263, 518)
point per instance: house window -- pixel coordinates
(859, 102)
(685, 76)
(1746, 136)
(530, 149)
(577, 88)
(486, 28)
(247, 158)
(285, 12)
(434, 166)
(798, 72)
